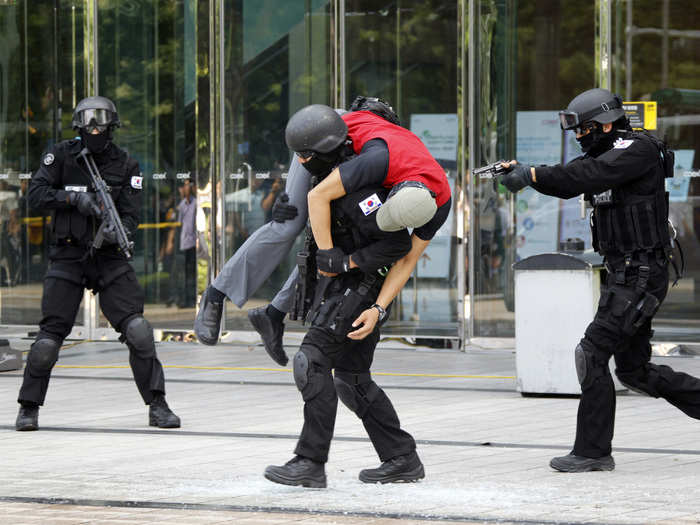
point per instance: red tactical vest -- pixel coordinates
(409, 159)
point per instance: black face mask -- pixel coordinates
(319, 166)
(596, 142)
(95, 143)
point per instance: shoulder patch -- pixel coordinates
(48, 159)
(137, 182)
(370, 204)
(622, 143)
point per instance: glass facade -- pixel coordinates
(655, 47)
(204, 90)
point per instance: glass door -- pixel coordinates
(277, 59)
(655, 50)
(41, 78)
(405, 52)
(153, 58)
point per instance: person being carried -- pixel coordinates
(385, 154)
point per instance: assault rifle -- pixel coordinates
(110, 215)
(490, 171)
(306, 281)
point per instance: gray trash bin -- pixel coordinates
(556, 296)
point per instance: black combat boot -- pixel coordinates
(298, 471)
(160, 415)
(207, 324)
(571, 463)
(27, 418)
(395, 470)
(271, 332)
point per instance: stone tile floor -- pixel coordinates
(485, 447)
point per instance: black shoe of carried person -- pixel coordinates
(207, 324)
(572, 463)
(27, 418)
(160, 415)
(271, 332)
(401, 469)
(298, 471)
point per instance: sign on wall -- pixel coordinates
(641, 114)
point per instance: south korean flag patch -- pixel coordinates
(137, 182)
(370, 204)
(622, 143)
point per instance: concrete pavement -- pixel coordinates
(485, 447)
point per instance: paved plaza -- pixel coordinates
(485, 447)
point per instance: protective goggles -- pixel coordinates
(99, 118)
(306, 154)
(572, 119)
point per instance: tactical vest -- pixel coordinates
(629, 224)
(69, 225)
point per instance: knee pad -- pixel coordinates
(43, 355)
(311, 372)
(139, 337)
(643, 380)
(591, 365)
(356, 391)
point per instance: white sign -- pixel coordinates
(679, 185)
(439, 132)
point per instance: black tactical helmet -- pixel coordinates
(596, 105)
(315, 129)
(101, 110)
(376, 106)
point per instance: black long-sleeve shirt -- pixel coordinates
(61, 170)
(631, 163)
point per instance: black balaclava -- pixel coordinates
(597, 142)
(321, 164)
(96, 143)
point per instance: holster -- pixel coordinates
(630, 307)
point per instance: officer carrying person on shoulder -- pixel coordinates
(622, 174)
(63, 185)
(350, 286)
(384, 154)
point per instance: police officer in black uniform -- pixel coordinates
(622, 175)
(358, 262)
(62, 184)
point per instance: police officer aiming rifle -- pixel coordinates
(89, 249)
(622, 174)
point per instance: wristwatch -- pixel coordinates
(381, 310)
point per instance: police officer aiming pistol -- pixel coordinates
(63, 184)
(622, 174)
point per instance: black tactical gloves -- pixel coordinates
(281, 211)
(332, 261)
(517, 177)
(110, 234)
(85, 202)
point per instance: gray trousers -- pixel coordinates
(266, 248)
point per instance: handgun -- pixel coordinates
(491, 171)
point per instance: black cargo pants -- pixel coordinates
(121, 299)
(350, 359)
(621, 328)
